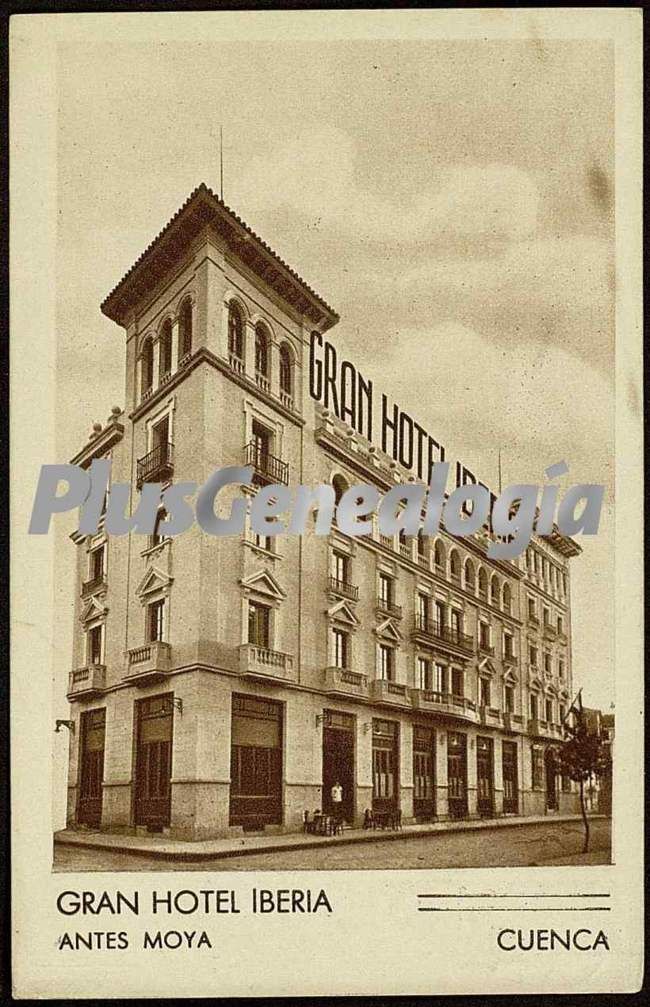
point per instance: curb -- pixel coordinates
(190, 856)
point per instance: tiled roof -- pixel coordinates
(210, 209)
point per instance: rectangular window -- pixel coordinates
(386, 663)
(340, 567)
(546, 616)
(263, 541)
(549, 711)
(440, 615)
(440, 678)
(537, 766)
(547, 663)
(457, 622)
(533, 706)
(423, 611)
(562, 713)
(560, 669)
(385, 589)
(341, 648)
(97, 563)
(509, 699)
(560, 624)
(261, 441)
(424, 674)
(484, 691)
(508, 645)
(95, 645)
(457, 682)
(259, 624)
(532, 656)
(484, 634)
(156, 621)
(532, 613)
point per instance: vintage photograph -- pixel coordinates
(326, 503)
(323, 701)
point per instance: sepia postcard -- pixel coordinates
(327, 513)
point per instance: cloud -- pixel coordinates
(317, 175)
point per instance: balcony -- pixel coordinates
(512, 721)
(86, 682)
(395, 693)
(389, 608)
(444, 703)
(94, 584)
(343, 682)
(157, 465)
(263, 663)
(148, 663)
(236, 363)
(267, 469)
(550, 632)
(262, 381)
(432, 632)
(343, 588)
(489, 716)
(540, 728)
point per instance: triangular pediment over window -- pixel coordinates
(153, 580)
(389, 631)
(263, 582)
(509, 677)
(93, 609)
(341, 612)
(486, 668)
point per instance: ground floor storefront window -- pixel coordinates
(153, 761)
(255, 762)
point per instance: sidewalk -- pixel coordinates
(241, 846)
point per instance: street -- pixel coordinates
(519, 846)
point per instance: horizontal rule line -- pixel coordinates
(515, 909)
(548, 895)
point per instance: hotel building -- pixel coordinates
(225, 684)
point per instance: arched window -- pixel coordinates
(286, 375)
(439, 555)
(422, 545)
(494, 590)
(454, 564)
(470, 580)
(507, 598)
(482, 582)
(165, 350)
(146, 365)
(235, 332)
(185, 328)
(158, 536)
(340, 486)
(262, 353)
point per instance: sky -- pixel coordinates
(452, 200)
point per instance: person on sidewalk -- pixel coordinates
(336, 795)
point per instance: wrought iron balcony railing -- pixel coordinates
(446, 634)
(157, 465)
(343, 587)
(266, 467)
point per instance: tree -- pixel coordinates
(584, 754)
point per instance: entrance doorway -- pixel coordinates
(385, 766)
(91, 769)
(255, 762)
(424, 762)
(485, 777)
(551, 779)
(153, 763)
(457, 774)
(509, 771)
(338, 762)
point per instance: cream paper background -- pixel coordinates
(375, 942)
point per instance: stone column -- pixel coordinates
(157, 346)
(249, 343)
(175, 346)
(138, 381)
(497, 776)
(442, 801)
(472, 799)
(406, 770)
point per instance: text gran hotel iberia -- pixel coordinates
(227, 683)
